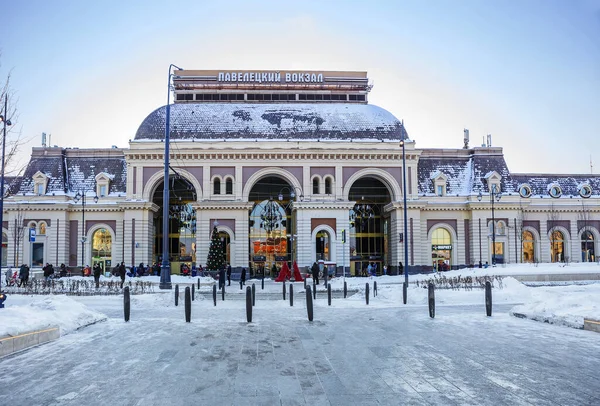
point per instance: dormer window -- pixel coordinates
(103, 184)
(439, 183)
(585, 190)
(554, 190)
(40, 181)
(493, 180)
(525, 190)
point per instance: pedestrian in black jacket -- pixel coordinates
(24, 275)
(221, 278)
(315, 272)
(122, 273)
(97, 273)
(228, 275)
(243, 278)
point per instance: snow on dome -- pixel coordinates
(302, 121)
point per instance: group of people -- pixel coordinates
(225, 274)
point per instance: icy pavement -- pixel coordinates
(346, 356)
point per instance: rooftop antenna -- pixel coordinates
(489, 140)
(483, 142)
(44, 140)
(466, 138)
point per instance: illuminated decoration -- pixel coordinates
(360, 215)
(271, 216)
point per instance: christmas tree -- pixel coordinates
(216, 259)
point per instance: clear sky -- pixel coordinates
(527, 71)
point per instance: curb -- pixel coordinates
(11, 344)
(591, 325)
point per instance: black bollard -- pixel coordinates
(248, 304)
(198, 283)
(374, 288)
(215, 294)
(193, 291)
(126, 303)
(241, 284)
(305, 283)
(404, 292)
(283, 290)
(329, 295)
(262, 283)
(309, 304)
(291, 294)
(345, 289)
(176, 295)
(188, 305)
(488, 298)
(223, 293)
(431, 295)
(253, 295)
(314, 292)
(367, 292)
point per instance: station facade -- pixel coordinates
(291, 166)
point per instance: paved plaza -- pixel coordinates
(346, 356)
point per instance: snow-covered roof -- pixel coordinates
(302, 121)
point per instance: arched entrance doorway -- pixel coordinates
(587, 247)
(557, 246)
(368, 226)
(323, 244)
(182, 223)
(441, 249)
(225, 245)
(528, 247)
(270, 225)
(102, 249)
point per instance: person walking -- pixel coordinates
(122, 273)
(24, 275)
(97, 273)
(228, 274)
(222, 278)
(315, 272)
(401, 268)
(243, 278)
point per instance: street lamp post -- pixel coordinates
(165, 272)
(81, 197)
(496, 195)
(405, 237)
(5, 122)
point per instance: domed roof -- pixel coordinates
(241, 121)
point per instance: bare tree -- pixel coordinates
(14, 138)
(17, 232)
(584, 226)
(520, 227)
(553, 217)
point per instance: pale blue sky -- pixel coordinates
(528, 72)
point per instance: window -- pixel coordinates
(525, 191)
(217, 186)
(327, 186)
(528, 247)
(102, 184)
(229, 186)
(440, 190)
(39, 188)
(585, 190)
(102, 190)
(557, 246)
(555, 191)
(316, 186)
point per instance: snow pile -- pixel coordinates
(23, 314)
(563, 305)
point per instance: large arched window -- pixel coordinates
(229, 186)
(328, 186)
(557, 246)
(102, 249)
(587, 247)
(528, 247)
(315, 183)
(441, 249)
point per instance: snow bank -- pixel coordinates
(28, 313)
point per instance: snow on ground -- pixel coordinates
(563, 305)
(28, 313)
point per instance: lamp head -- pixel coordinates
(95, 199)
(479, 196)
(280, 197)
(402, 143)
(292, 194)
